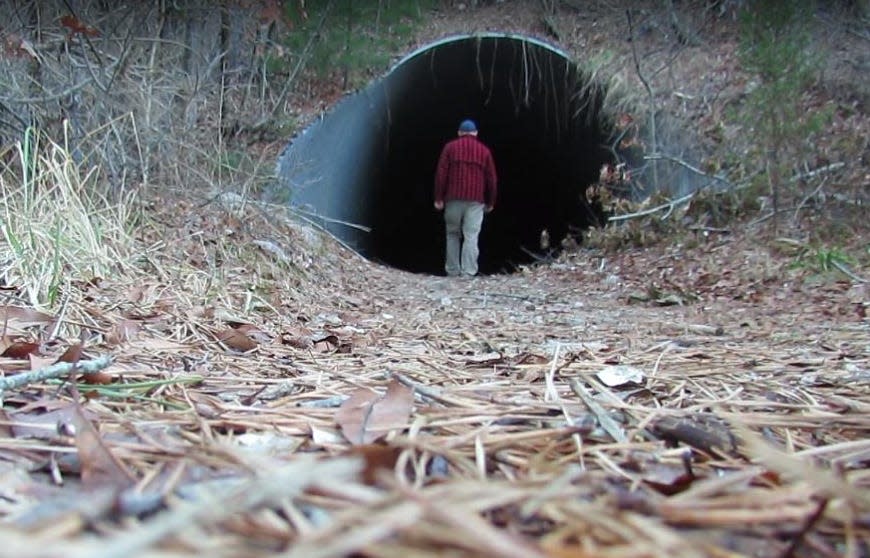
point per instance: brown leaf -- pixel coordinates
(668, 478)
(41, 422)
(367, 416)
(326, 344)
(72, 355)
(123, 331)
(5, 429)
(76, 26)
(376, 458)
(19, 350)
(298, 337)
(100, 378)
(255, 333)
(17, 317)
(99, 467)
(237, 340)
(136, 294)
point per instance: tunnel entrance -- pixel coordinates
(365, 171)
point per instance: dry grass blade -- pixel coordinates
(56, 228)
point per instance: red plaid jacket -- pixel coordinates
(466, 171)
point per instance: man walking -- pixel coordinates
(465, 188)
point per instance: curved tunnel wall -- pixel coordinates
(365, 170)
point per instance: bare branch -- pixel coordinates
(682, 163)
(669, 206)
(57, 370)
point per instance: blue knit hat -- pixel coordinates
(468, 126)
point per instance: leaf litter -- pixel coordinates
(544, 413)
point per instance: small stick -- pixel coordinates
(433, 394)
(606, 421)
(55, 371)
(669, 206)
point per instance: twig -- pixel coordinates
(55, 371)
(332, 220)
(682, 163)
(849, 272)
(327, 403)
(816, 172)
(425, 391)
(551, 393)
(808, 197)
(669, 206)
(46, 98)
(607, 423)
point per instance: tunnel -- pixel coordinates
(365, 170)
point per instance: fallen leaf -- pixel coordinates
(20, 350)
(485, 358)
(5, 428)
(255, 333)
(123, 331)
(705, 432)
(136, 294)
(299, 337)
(666, 478)
(41, 423)
(614, 376)
(237, 340)
(100, 467)
(367, 416)
(325, 436)
(376, 458)
(72, 355)
(76, 26)
(326, 344)
(37, 362)
(100, 378)
(17, 317)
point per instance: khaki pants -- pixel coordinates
(462, 222)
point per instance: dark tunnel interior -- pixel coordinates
(533, 109)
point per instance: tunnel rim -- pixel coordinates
(478, 36)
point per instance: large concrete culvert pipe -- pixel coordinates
(365, 170)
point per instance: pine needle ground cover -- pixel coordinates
(343, 408)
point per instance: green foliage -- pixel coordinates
(821, 259)
(775, 46)
(352, 37)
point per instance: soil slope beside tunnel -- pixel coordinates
(366, 169)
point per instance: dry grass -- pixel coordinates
(57, 227)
